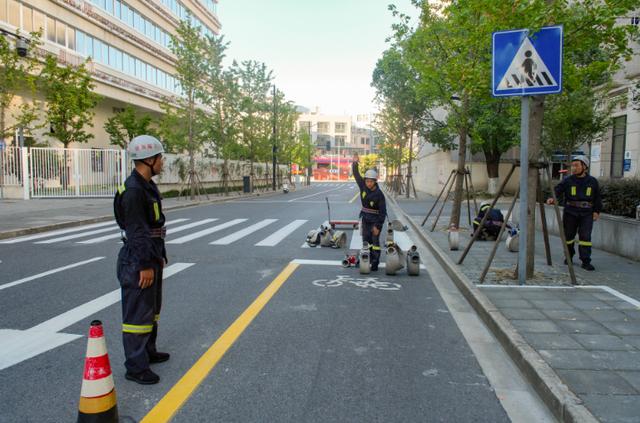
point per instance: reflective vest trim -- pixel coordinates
(156, 211)
(588, 191)
(574, 191)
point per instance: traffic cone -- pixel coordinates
(98, 394)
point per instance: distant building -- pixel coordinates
(128, 41)
(336, 139)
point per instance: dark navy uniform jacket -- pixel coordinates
(585, 191)
(372, 201)
(138, 210)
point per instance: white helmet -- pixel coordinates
(371, 174)
(581, 158)
(144, 146)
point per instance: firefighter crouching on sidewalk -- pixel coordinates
(582, 207)
(138, 211)
(373, 212)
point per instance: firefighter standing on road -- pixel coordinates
(582, 207)
(138, 211)
(373, 212)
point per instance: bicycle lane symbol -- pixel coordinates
(365, 283)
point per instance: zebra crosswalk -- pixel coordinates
(268, 232)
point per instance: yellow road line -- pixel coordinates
(182, 390)
(354, 197)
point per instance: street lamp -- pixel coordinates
(311, 125)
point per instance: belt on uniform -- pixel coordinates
(371, 211)
(580, 204)
(153, 233)
(158, 232)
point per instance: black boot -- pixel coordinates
(145, 377)
(588, 266)
(158, 357)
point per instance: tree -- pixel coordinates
(70, 101)
(126, 125)
(17, 73)
(190, 49)
(254, 80)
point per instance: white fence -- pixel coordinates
(75, 173)
(11, 167)
(60, 172)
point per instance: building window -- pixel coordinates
(13, 13)
(3, 10)
(61, 31)
(340, 140)
(38, 21)
(71, 38)
(323, 127)
(341, 127)
(27, 19)
(51, 29)
(618, 146)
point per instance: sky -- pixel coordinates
(322, 53)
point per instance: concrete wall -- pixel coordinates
(617, 235)
(432, 170)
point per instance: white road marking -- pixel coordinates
(169, 231)
(54, 233)
(205, 232)
(333, 263)
(21, 345)
(111, 236)
(80, 235)
(276, 237)
(243, 232)
(49, 272)
(356, 241)
(312, 195)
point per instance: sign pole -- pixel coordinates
(524, 188)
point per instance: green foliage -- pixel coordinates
(620, 197)
(17, 73)
(70, 101)
(126, 125)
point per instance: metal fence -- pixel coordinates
(64, 172)
(11, 167)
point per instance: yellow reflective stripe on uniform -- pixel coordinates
(122, 188)
(156, 211)
(375, 247)
(483, 208)
(364, 194)
(476, 221)
(585, 243)
(574, 190)
(156, 318)
(137, 328)
(571, 242)
(588, 191)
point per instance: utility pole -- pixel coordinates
(274, 148)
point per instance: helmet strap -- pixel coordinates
(152, 165)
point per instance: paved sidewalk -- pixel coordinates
(588, 335)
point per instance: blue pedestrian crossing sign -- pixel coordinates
(527, 64)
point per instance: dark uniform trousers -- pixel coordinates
(373, 241)
(140, 315)
(582, 224)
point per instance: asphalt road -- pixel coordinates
(382, 350)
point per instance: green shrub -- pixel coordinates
(620, 197)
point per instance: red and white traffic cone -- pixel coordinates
(98, 394)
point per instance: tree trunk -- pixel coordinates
(409, 171)
(535, 134)
(492, 160)
(457, 194)
(2, 122)
(192, 159)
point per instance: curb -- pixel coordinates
(63, 225)
(563, 403)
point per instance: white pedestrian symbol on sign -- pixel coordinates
(527, 70)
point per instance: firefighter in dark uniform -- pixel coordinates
(493, 224)
(373, 212)
(138, 211)
(582, 206)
